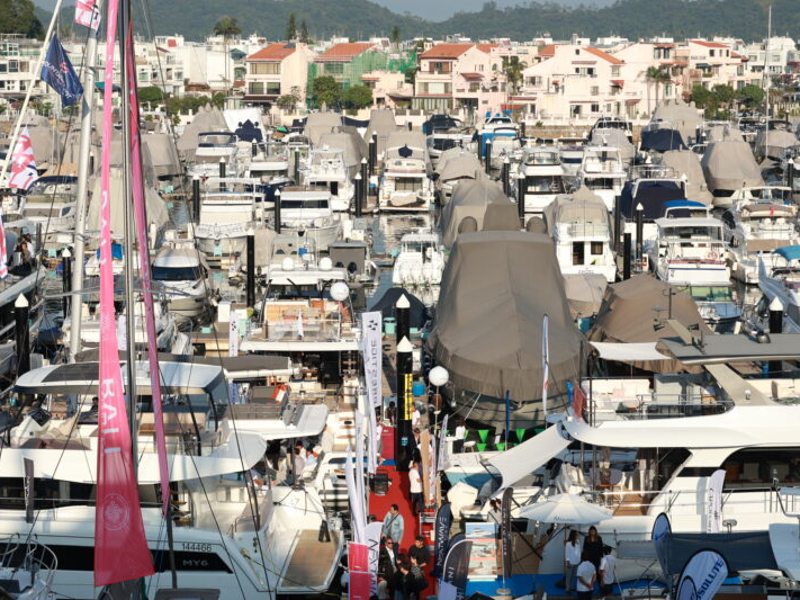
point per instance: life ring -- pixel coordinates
(712, 256)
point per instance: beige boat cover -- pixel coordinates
(207, 119)
(156, 208)
(163, 154)
(481, 199)
(687, 165)
(627, 315)
(584, 206)
(615, 138)
(488, 327)
(584, 293)
(320, 123)
(459, 165)
(382, 122)
(722, 133)
(683, 117)
(351, 143)
(771, 144)
(730, 165)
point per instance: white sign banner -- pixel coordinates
(233, 334)
(374, 548)
(714, 501)
(443, 461)
(373, 356)
(545, 361)
(357, 521)
(708, 571)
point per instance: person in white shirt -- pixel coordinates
(608, 566)
(572, 558)
(587, 575)
(415, 418)
(415, 487)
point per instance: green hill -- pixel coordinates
(360, 19)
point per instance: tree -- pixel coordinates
(395, 37)
(657, 76)
(289, 101)
(18, 16)
(358, 96)
(411, 74)
(291, 28)
(304, 37)
(513, 68)
(227, 27)
(326, 91)
(151, 94)
(751, 95)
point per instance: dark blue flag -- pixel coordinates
(58, 73)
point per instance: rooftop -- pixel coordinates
(447, 51)
(344, 52)
(709, 44)
(273, 52)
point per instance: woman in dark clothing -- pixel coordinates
(593, 546)
(398, 582)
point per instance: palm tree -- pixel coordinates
(396, 37)
(227, 27)
(513, 68)
(657, 76)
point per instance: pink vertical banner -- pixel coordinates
(360, 579)
(121, 551)
(140, 217)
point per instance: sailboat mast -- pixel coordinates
(127, 197)
(767, 79)
(87, 105)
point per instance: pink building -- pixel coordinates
(277, 70)
(460, 77)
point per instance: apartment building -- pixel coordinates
(18, 58)
(276, 70)
(348, 62)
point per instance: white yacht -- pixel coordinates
(779, 277)
(754, 228)
(651, 447)
(581, 230)
(50, 202)
(541, 176)
(441, 141)
(212, 148)
(244, 539)
(406, 184)
(326, 170)
(228, 208)
(420, 261)
(270, 165)
(309, 215)
(603, 172)
(184, 275)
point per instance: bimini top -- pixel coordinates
(82, 378)
(723, 349)
(652, 194)
(788, 252)
(683, 204)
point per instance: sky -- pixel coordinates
(436, 10)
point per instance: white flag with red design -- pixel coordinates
(87, 13)
(23, 163)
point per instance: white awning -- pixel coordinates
(644, 351)
(524, 459)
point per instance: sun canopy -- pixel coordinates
(746, 551)
(522, 460)
(789, 252)
(662, 140)
(635, 352)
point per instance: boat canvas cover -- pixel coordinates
(772, 143)
(477, 199)
(414, 140)
(320, 123)
(615, 138)
(746, 551)
(418, 313)
(627, 315)
(584, 207)
(381, 121)
(730, 165)
(157, 212)
(585, 293)
(460, 165)
(662, 140)
(236, 120)
(683, 117)
(350, 143)
(488, 326)
(519, 462)
(163, 154)
(687, 165)
(652, 195)
(207, 119)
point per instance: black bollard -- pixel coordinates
(402, 315)
(373, 154)
(66, 278)
(277, 226)
(404, 437)
(488, 156)
(297, 166)
(790, 178)
(364, 181)
(521, 181)
(22, 335)
(410, 126)
(250, 283)
(523, 129)
(775, 326)
(254, 149)
(196, 199)
(617, 224)
(222, 186)
(639, 236)
(626, 257)
(506, 176)
(39, 239)
(358, 183)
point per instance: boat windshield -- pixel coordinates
(313, 203)
(711, 293)
(549, 184)
(176, 273)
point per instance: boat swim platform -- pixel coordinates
(308, 554)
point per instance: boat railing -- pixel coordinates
(30, 556)
(588, 229)
(657, 406)
(652, 172)
(308, 327)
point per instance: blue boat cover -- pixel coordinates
(683, 204)
(662, 140)
(652, 195)
(349, 121)
(789, 252)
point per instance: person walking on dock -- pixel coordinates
(415, 488)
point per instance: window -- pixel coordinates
(597, 248)
(757, 468)
(334, 68)
(577, 52)
(3, 68)
(711, 53)
(259, 68)
(578, 253)
(615, 71)
(439, 67)
(474, 87)
(13, 66)
(406, 184)
(273, 87)
(256, 88)
(595, 108)
(595, 90)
